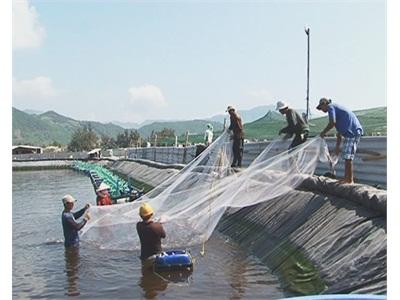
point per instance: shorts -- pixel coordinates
(350, 147)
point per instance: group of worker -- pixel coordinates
(151, 232)
(345, 121)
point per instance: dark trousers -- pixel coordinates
(237, 149)
(298, 140)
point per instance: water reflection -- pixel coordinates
(71, 268)
(151, 283)
(42, 270)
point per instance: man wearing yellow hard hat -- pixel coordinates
(150, 233)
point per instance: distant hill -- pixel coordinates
(249, 115)
(45, 128)
(126, 125)
(266, 127)
(50, 126)
(180, 127)
(32, 112)
(373, 120)
(133, 125)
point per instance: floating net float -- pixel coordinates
(120, 190)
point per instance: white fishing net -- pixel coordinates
(191, 203)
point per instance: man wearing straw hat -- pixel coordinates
(296, 125)
(150, 234)
(70, 226)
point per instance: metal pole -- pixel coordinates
(307, 30)
(187, 138)
(155, 147)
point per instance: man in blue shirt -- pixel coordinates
(347, 125)
(70, 226)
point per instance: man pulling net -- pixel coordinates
(191, 203)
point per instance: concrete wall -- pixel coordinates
(41, 164)
(369, 165)
(51, 156)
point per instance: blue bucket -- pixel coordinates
(173, 260)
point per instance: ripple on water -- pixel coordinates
(43, 269)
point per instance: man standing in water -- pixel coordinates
(103, 196)
(296, 125)
(237, 135)
(69, 223)
(347, 125)
(150, 234)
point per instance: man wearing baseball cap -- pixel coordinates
(69, 221)
(347, 125)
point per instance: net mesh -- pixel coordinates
(190, 203)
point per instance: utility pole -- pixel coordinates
(307, 30)
(155, 147)
(186, 138)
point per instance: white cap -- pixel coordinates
(281, 105)
(68, 199)
(102, 187)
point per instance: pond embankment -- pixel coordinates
(41, 165)
(320, 238)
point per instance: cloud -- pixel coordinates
(39, 87)
(27, 31)
(147, 97)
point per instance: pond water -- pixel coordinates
(43, 269)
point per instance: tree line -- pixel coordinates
(85, 139)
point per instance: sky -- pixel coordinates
(51, 59)
(129, 61)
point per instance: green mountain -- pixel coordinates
(180, 127)
(373, 120)
(48, 127)
(247, 115)
(45, 128)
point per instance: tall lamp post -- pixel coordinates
(307, 30)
